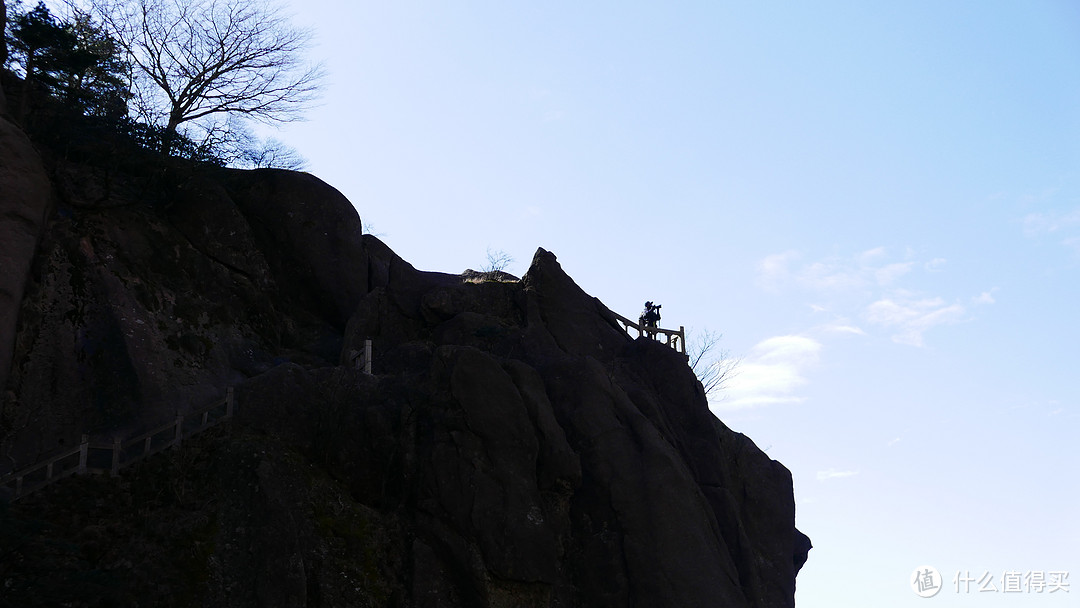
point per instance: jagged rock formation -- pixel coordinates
(513, 447)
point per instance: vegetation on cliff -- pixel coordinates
(179, 78)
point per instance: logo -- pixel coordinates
(926, 581)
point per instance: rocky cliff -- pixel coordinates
(512, 447)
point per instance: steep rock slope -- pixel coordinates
(147, 297)
(24, 206)
(513, 446)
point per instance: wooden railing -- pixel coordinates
(674, 338)
(91, 457)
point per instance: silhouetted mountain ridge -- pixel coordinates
(513, 446)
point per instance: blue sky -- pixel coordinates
(877, 204)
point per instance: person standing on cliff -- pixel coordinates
(651, 316)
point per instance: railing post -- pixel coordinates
(18, 486)
(367, 356)
(229, 402)
(84, 449)
(682, 339)
(114, 471)
(179, 431)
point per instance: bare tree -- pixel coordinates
(232, 142)
(497, 261)
(369, 228)
(712, 365)
(194, 59)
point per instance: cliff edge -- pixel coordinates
(512, 447)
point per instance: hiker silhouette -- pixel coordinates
(651, 316)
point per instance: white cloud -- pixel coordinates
(868, 285)
(911, 318)
(832, 274)
(1036, 224)
(1063, 225)
(834, 474)
(935, 265)
(889, 273)
(871, 254)
(893, 442)
(771, 373)
(845, 329)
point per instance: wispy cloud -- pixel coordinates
(771, 374)
(843, 328)
(935, 265)
(834, 474)
(867, 269)
(1061, 225)
(1036, 224)
(910, 317)
(887, 275)
(868, 285)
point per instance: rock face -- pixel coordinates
(25, 202)
(148, 298)
(513, 446)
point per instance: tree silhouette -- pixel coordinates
(712, 366)
(75, 62)
(90, 74)
(194, 59)
(35, 37)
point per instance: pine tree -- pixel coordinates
(75, 62)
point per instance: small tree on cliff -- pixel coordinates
(197, 59)
(74, 61)
(37, 38)
(92, 75)
(712, 365)
(497, 261)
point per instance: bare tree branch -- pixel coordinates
(712, 366)
(497, 261)
(198, 58)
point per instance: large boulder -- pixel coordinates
(153, 293)
(309, 233)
